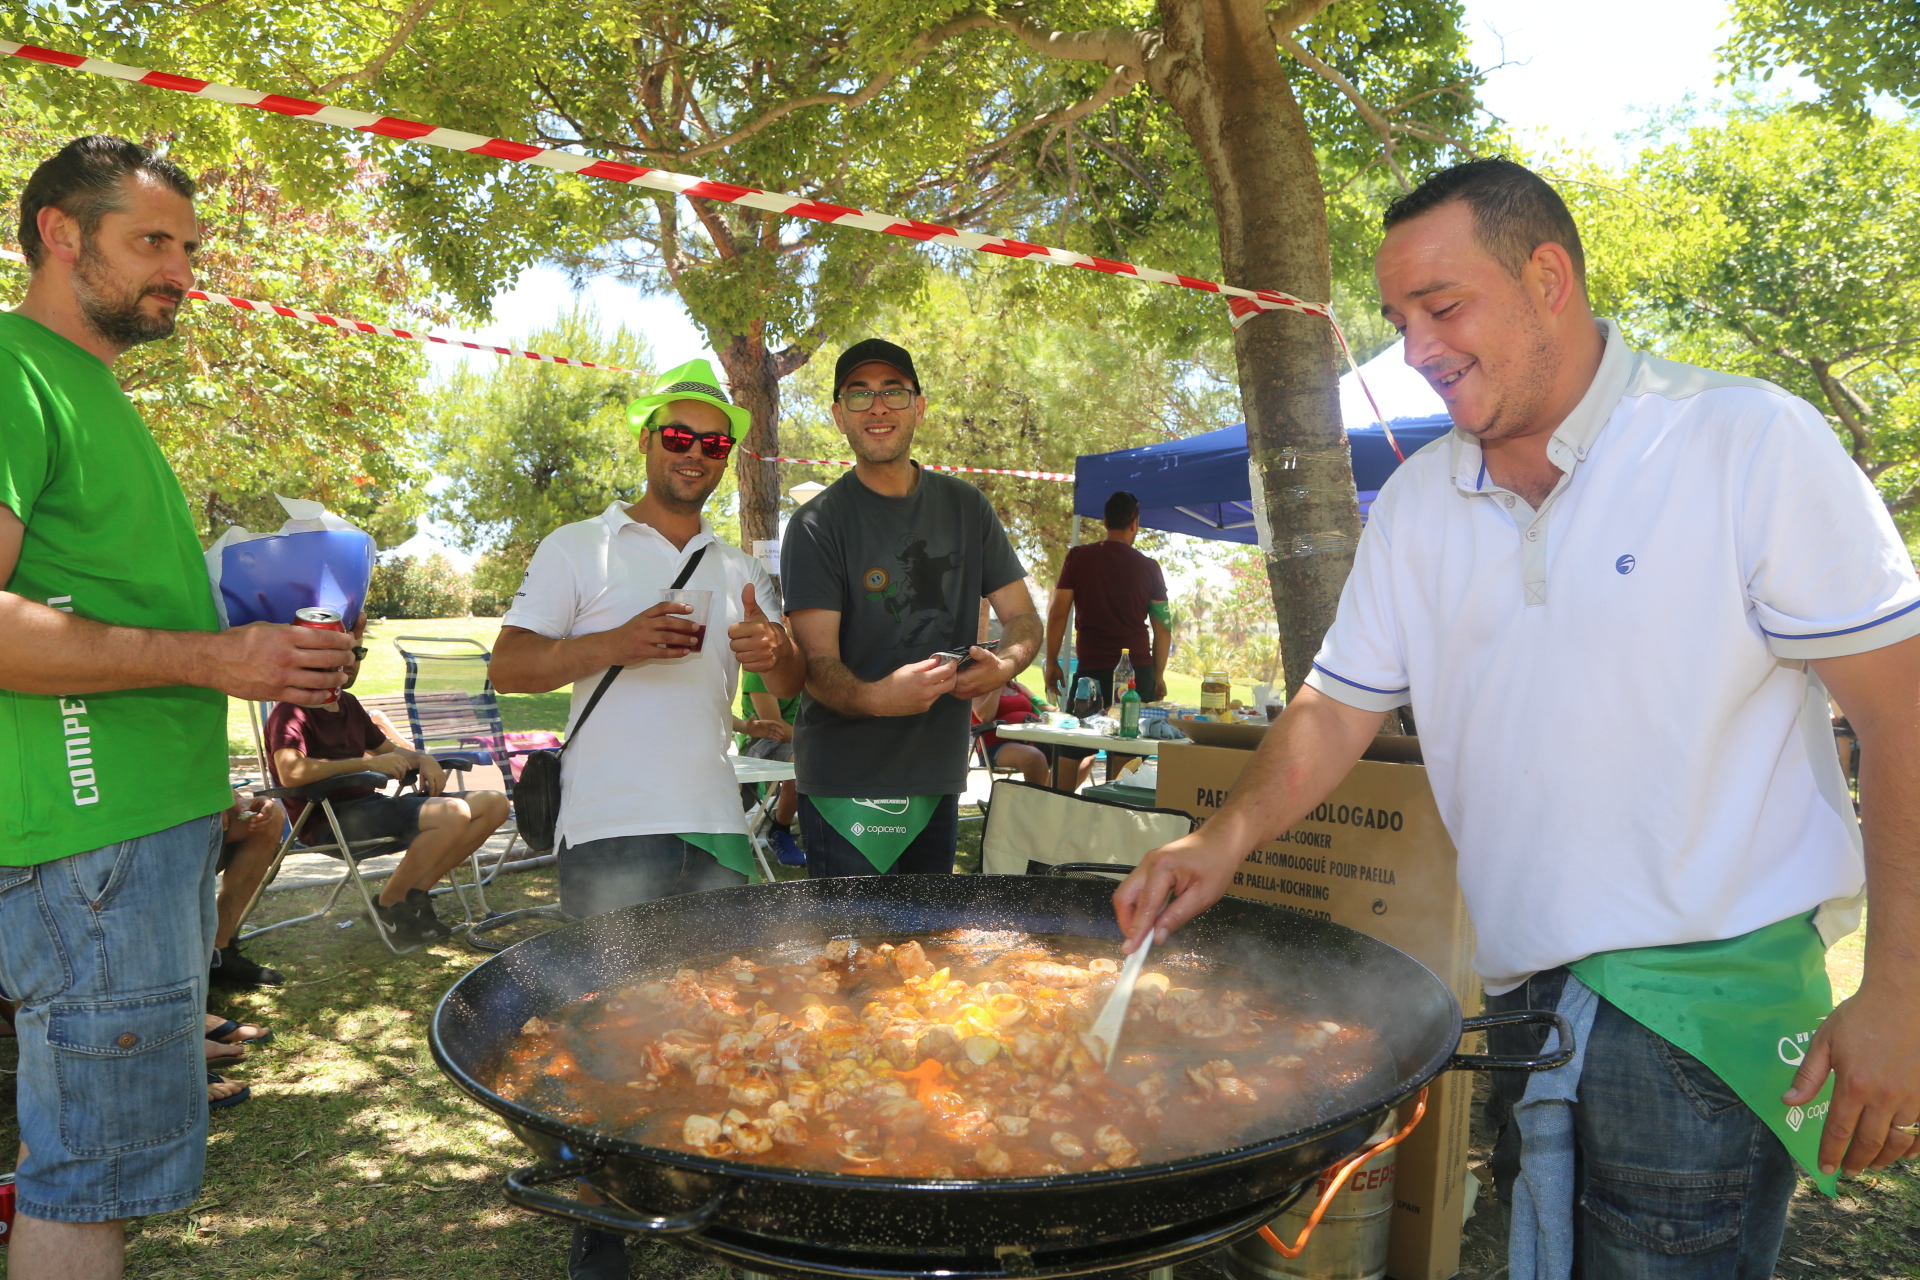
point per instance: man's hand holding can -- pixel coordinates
(275, 662)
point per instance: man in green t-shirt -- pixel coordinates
(113, 685)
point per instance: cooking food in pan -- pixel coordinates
(959, 1055)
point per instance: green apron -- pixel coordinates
(880, 829)
(1747, 1007)
(729, 849)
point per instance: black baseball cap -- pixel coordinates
(873, 349)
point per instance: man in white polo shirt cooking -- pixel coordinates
(1619, 594)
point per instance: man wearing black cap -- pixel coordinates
(883, 572)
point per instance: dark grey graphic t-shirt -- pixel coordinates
(906, 576)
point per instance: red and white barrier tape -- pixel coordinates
(1242, 303)
(383, 330)
(388, 331)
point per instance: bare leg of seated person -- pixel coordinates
(1073, 774)
(247, 866)
(451, 828)
(1030, 760)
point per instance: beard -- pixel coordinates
(891, 449)
(1528, 377)
(111, 309)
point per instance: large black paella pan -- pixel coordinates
(769, 1218)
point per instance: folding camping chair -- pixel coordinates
(1031, 830)
(450, 701)
(995, 772)
(319, 799)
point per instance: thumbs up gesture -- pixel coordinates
(758, 642)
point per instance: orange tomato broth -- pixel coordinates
(961, 1055)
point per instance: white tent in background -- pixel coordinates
(1400, 391)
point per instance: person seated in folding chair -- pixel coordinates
(308, 744)
(763, 730)
(250, 834)
(1012, 704)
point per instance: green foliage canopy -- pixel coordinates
(1853, 49)
(526, 446)
(246, 406)
(1784, 245)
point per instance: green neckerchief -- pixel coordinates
(880, 829)
(1747, 1007)
(729, 849)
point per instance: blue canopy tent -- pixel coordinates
(1200, 485)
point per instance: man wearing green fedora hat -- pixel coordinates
(649, 806)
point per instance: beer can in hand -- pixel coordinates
(320, 620)
(6, 1207)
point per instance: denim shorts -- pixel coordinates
(605, 875)
(393, 819)
(1676, 1178)
(109, 950)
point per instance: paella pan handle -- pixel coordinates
(525, 1188)
(1089, 868)
(1507, 1062)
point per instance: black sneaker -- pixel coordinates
(422, 903)
(401, 921)
(235, 970)
(597, 1255)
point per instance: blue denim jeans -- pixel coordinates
(831, 854)
(1677, 1178)
(605, 875)
(109, 950)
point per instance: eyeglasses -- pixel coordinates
(712, 443)
(359, 653)
(861, 401)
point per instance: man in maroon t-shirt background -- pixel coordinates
(1114, 593)
(308, 744)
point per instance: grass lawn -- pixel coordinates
(385, 671)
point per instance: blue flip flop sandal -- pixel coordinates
(231, 1100)
(220, 1033)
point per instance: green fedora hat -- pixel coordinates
(693, 380)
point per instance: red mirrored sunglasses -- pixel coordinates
(712, 443)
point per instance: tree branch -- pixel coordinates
(1837, 396)
(1368, 112)
(366, 74)
(1285, 19)
(1118, 85)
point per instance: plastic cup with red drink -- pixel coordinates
(702, 603)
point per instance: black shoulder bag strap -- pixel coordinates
(607, 680)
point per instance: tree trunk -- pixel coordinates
(1219, 69)
(754, 375)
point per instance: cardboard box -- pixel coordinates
(1376, 858)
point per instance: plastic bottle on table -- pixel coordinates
(1129, 709)
(1122, 677)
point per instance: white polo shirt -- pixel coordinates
(653, 757)
(1619, 724)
